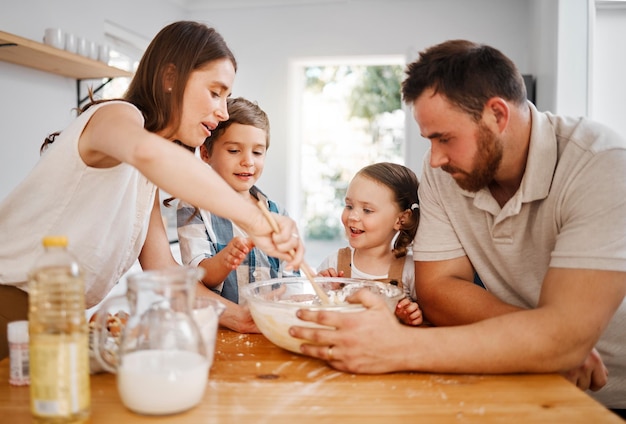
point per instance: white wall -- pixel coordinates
(265, 41)
(609, 70)
(544, 35)
(573, 54)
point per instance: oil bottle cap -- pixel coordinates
(17, 331)
(59, 241)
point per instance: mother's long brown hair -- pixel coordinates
(187, 46)
(181, 47)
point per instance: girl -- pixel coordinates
(236, 150)
(97, 183)
(381, 206)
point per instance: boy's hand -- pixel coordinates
(236, 251)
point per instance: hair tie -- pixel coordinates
(415, 206)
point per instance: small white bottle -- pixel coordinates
(18, 353)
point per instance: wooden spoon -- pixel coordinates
(303, 266)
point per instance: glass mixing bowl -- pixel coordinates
(273, 303)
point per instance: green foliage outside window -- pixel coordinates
(373, 110)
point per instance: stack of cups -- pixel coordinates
(104, 53)
(71, 43)
(87, 48)
(56, 37)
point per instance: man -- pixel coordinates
(536, 205)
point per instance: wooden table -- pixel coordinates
(253, 381)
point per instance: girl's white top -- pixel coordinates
(408, 272)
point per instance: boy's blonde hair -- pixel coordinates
(241, 111)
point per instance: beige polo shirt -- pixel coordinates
(569, 212)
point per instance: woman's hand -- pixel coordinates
(285, 244)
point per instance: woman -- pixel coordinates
(97, 183)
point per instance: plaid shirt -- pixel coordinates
(203, 235)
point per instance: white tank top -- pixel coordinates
(103, 212)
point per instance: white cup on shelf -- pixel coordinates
(104, 53)
(93, 50)
(82, 46)
(54, 37)
(71, 43)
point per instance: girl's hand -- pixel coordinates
(409, 312)
(592, 374)
(330, 272)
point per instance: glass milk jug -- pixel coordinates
(158, 353)
(206, 313)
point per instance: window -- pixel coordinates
(127, 48)
(349, 115)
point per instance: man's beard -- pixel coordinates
(486, 162)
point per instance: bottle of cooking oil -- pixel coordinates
(58, 337)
